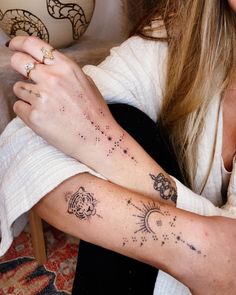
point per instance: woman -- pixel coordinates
(188, 85)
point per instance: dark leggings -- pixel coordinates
(103, 272)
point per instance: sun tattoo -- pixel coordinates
(148, 216)
(150, 221)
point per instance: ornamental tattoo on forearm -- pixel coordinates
(149, 217)
(164, 187)
(104, 134)
(150, 220)
(116, 144)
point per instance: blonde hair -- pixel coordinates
(201, 38)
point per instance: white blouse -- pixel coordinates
(134, 74)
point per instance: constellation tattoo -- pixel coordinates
(103, 132)
(82, 204)
(179, 239)
(150, 220)
(115, 143)
(163, 185)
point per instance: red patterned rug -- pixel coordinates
(20, 273)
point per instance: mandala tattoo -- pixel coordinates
(15, 20)
(73, 12)
(163, 185)
(150, 219)
(82, 204)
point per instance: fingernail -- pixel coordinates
(7, 43)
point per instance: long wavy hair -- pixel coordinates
(201, 58)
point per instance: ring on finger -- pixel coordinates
(47, 54)
(29, 67)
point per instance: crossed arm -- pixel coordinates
(138, 221)
(185, 245)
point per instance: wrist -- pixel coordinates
(190, 259)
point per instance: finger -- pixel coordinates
(26, 65)
(22, 110)
(35, 47)
(27, 92)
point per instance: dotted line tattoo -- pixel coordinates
(103, 132)
(164, 187)
(179, 239)
(82, 204)
(149, 220)
(116, 143)
(30, 91)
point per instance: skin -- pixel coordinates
(232, 4)
(229, 120)
(229, 130)
(94, 209)
(81, 113)
(183, 244)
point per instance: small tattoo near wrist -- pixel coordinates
(164, 187)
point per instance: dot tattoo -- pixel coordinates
(151, 220)
(82, 136)
(179, 239)
(164, 187)
(116, 143)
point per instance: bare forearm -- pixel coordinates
(112, 217)
(112, 152)
(79, 123)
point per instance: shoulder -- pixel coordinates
(142, 50)
(139, 43)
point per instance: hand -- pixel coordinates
(63, 105)
(60, 103)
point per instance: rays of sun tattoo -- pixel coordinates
(150, 220)
(149, 216)
(82, 204)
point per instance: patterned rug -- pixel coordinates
(20, 274)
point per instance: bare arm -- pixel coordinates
(185, 245)
(67, 110)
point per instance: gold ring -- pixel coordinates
(47, 54)
(29, 67)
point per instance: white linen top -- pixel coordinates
(134, 74)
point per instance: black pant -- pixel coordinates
(103, 272)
